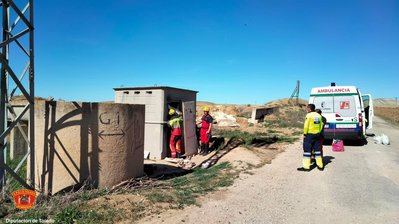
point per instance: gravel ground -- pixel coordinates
(360, 185)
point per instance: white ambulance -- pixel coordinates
(348, 112)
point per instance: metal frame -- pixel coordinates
(8, 117)
(295, 93)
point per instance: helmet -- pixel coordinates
(171, 111)
(205, 108)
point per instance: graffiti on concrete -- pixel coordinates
(120, 133)
(110, 119)
(106, 119)
(102, 120)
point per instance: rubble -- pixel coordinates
(182, 163)
(225, 120)
(381, 139)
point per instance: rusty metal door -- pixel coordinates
(190, 137)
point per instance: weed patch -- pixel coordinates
(185, 189)
(75, 207)
(257, 138)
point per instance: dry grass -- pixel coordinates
(390, 114)
(130, 202)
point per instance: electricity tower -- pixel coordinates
(295, 94)
(17, 78)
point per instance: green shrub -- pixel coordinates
(68, 215)
(252, 138)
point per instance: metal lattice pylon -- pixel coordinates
(295, 94)
(17, 53)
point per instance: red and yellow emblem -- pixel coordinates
(24, 199)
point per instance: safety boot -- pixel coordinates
(303, 169)
(206, 149)
(201, 149)
(319, 163)
(305, 164)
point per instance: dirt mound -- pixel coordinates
(240, 157)
(286, 114)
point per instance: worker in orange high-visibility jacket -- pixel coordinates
(312, 135)
(176, 138)
(205, 131)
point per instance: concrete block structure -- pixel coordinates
(98, 143)
(157, 100)
(259, 113)
(18, 146)
(17, 143)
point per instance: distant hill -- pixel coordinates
(205, 103)
(285, 102)
(385, 102)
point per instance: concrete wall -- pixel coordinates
(17, 143)
(102, 143)
(153, 99)
(154, 141)
(259, 113)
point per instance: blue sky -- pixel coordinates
(229, 51)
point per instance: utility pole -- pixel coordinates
(18, 37)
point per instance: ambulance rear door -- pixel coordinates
(368, 110)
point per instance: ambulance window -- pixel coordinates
(366, 101)
(324, 103)
(345, 106)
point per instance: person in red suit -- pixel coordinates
(205, 131)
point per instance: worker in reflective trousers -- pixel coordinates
(324, 119)
(205, 131)
(312, 135)
(175, 142)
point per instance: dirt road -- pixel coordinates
(360, 185)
